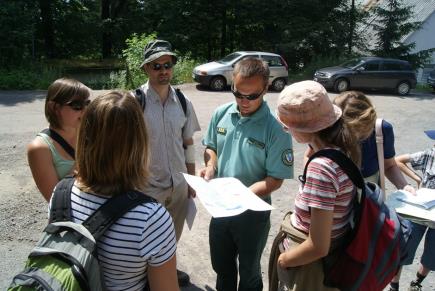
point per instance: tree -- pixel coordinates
(392, 25)
(17, 32)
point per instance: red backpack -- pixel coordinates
(377, 242)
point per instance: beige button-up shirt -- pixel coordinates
(167, 127)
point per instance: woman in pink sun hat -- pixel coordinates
(324, 202)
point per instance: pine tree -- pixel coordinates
(392, 25)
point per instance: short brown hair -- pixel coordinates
(358, 112)
(112, 145)
(250, 67)
(59, 93)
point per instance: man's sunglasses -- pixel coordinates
(249, 97)
(78, 105)
(158, 67)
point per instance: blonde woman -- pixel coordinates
(323, 203)
(359, 113)
(138, 250)
(49, 161)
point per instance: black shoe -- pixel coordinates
(183, 278)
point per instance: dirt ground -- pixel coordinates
(23, 212)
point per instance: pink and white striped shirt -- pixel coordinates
(327, 187)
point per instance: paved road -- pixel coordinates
(23, 211)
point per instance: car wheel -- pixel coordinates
(341, 85)
(218, 83)
(403, 88)
(278, 84)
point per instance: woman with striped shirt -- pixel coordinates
(324, 203)
(138, 250)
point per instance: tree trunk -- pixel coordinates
(106, 45)
(351, 27)
(47, 27)
(224, 28)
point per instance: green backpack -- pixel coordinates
(65, 258)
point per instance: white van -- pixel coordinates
(217, 75)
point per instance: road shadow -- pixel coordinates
(201, 87)
(193, 287)
(12, 98)
(379, 93)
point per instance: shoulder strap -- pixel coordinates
(60, 140)
(182, 100)
(112, 210)
(141, 98)
(345, 163)
(380, 151)
(61, 200)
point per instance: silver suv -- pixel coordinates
(217, 75)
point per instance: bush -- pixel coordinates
(183, 69)
(307, 72)
(134, 75)
(34, 76)
(133, 55)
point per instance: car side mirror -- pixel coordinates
(360, 69)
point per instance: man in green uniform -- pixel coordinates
(245, 141)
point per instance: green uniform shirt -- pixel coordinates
(249, 148)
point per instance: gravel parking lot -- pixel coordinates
(23, 212)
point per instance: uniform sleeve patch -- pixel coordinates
(287, 157)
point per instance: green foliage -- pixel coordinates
(392, 26)
(183, 69)
(34, 76)
(318, 62)
(17, 32)
(133, 55)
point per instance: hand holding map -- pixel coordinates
(225, 196)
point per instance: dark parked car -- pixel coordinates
(431, 79)
(369, 73)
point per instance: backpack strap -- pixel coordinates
(139, 94)
(60, 140)
(112, 210)
(141, 98)
(61, 200)
(380, 152)
(345, 163)
(182, 100)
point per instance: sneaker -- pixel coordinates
(415, 286)
(183, 278)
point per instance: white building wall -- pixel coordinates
(424, 38)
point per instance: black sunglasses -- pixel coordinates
(249, 97)
(158, 67)
(78, 105)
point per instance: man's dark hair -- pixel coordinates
(251, 67)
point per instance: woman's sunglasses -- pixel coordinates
(241, 96)
(78, 105)
(158, 67)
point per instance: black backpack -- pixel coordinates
(141, 98)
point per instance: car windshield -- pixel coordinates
(352, 63)
(229, 58)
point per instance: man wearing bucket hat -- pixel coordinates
(324, 202)
(423, 161)
(171, 131)
(245, 141)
